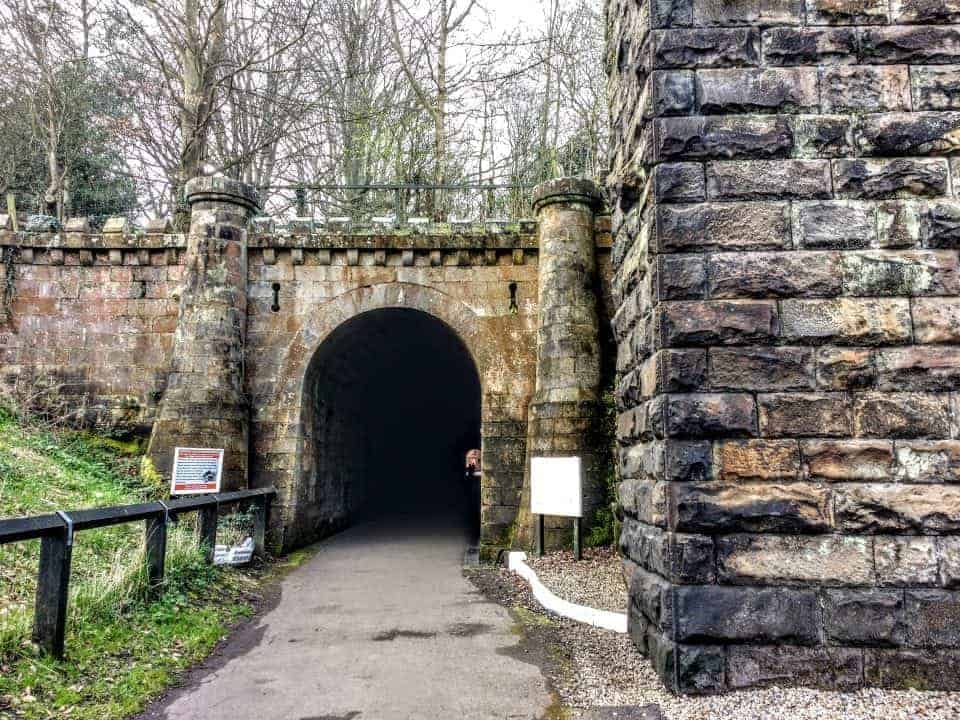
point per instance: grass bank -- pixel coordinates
(124, 646)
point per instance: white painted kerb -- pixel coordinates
(581, 613)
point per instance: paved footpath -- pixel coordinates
(379, 625)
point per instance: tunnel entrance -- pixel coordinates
(392, 405)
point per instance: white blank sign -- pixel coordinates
(555, 486)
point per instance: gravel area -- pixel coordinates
(595, 668)
(595, 581)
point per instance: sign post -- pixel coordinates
(196, 471)
(556, 489)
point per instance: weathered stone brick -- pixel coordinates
(712, 47)
(722, 137)
(760, 460)
(805, 415)
(918, 368)
(847, 460)
(841, 225)
(910, 669)
(761, 368)
(928, 461)
(723, 226)
(822, 136)
(710, 415)
(902, 415)
(845, 368)
(907, 561)
(877, 273)
(783, 560)
(674, 371)
(863, 617)
(917, 133)
(679, 182)
(933, 618)
(745, 90)
(766, 180)
(899, 224)
(936, 320)
(727, 614)
(677, 13)
(694, 669)
(891, 508)
(772, 274)
(865, 88)
(845, 321)
(673, 92)
(949, 551)
(688, 461)
(809, 46)
(890, 179)
(718, 322)
(940, 224)
(787, 666)
(847, 12)
(936, 87)
(914, 45)
(794, 507)
(680, 277)
(924, 11)
(676, 557)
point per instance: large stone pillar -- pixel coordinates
(204, 403)
(564, 413)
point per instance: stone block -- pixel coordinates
(674, 371)
(688, 461)
(794, 507)
(847, 460)
(822, 136)
(805, 415)
(940, 224)
(936, 87)
(786, 666)
(902, 415)
(928, 461)
(740, 614)
(911, 669)
(865, 88)
(688, 669)
(679, 277)
(901, 273)
(936, 320)
(841, 225)
(679, 182)
(899, 224)
(908, 12)
(769, 180)
(949, 551)
(708, 47)
(678, 557)
(918, 368)
(890, 179)
(907, 561)
(846, 321)
(717, 322)
(673, 92)
(757, 460)
(722, 137)
(723, 226)
(774, 274)
(761, 368)
(760, 90)
(933, 618)
(678, 13)
(845, 368)
(896, 508)
(915, 45)
(795, 560)
(863, 617)
(116, 226)
(809, 46)
(916, 133)
(847, 12)
(709, 415)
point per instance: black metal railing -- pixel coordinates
(56, 532)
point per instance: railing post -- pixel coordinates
(209, 516)
(156, 534)
(261, 524)
(53, 585)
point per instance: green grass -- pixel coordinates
(124, 644)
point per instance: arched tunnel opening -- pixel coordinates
(392, 407)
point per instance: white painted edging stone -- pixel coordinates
(617, 622)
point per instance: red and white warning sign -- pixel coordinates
(196, 471)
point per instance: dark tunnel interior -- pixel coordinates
(395, 398)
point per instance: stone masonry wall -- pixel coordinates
(786, 231)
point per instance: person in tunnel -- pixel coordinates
(472, 475)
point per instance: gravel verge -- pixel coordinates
(596, 581)
(593, 668)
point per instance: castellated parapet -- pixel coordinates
(786, 230)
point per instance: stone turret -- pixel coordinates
(564, 412)
(204, 403)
